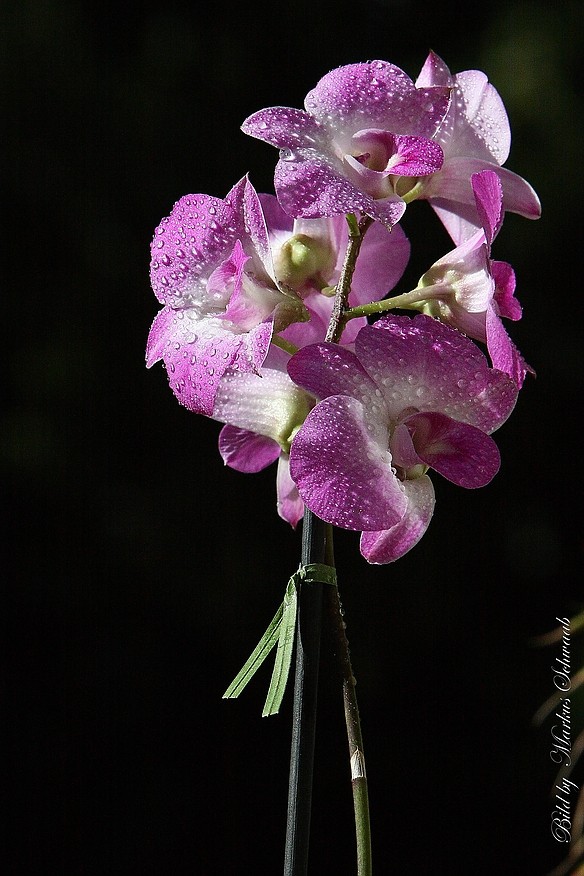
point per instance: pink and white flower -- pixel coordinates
(469, 291)
(474, 136)
(364, 127)
(414, 395)
(211, 268)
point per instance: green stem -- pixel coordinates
(284, 345)
(353, 724)
(407, 300)
(356, 233)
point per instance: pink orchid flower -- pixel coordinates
(211, 268)
(470, 292)
(414, 395)
(262, 414)
(474, 136)
(365, 126)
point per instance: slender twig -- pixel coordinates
(308, 633)
(353, 723)
(356, 233)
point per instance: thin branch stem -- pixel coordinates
(354, 734)
(356, 232)
(284, 344)
(407, 300)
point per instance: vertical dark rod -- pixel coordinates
(308, 630)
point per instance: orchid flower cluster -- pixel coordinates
(277, 319)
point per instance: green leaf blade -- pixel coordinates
(256, 658)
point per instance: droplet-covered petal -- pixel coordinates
(283, 127)
(488, 192)
(459, 452)
(197, 352)
(311, 188)
(187, 245)
(451, 196)
(328, 369)
(246, 451)
(423, 364)
(270, 404)
(343, 475)
(376, 94)
(388, 545)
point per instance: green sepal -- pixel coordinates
(281, 631)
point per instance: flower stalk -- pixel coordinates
(356, 233)
(353, 725)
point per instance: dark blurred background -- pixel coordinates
(138, 572)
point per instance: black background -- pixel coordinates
(139, 572)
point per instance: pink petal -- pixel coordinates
(383, 258)
(283, 127)
(277, 220)
(255, 225)
(388, 545)
(477, 121)
(313, 187)
(488, 192)
(197, 352)
(450, 194)
(376, 94)
(226, 277)
(477, 124)
(424, 364)
(158, 337)
(434, 72)
(199, 233)
(402, 448)
(269, 404)
(504, 354)
(328, 369)
(417, 156)
(290, 505)
(343, 475)
(246, 451)
(504, 277)
(403, 155)
(459, 452)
